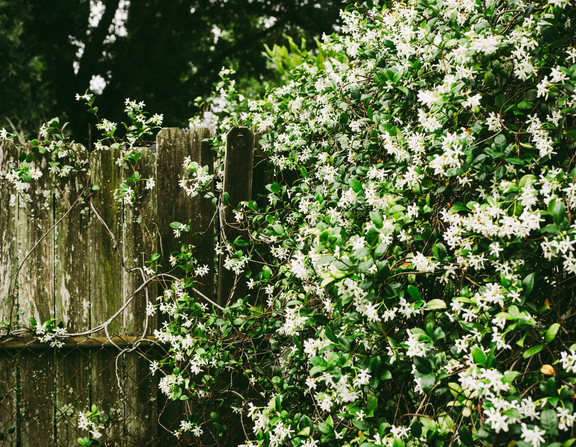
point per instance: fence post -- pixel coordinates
(238, 166)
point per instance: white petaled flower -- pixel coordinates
(472, 101)
(494, 123)
(532, 436)
(568, 361)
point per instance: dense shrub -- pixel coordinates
(419, 271)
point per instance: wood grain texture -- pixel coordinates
(105, 250)
(8, 233)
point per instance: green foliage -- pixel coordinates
(419, 265)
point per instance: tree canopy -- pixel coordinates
(165, 53)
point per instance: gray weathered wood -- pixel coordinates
(203, 213)
(36, 300)
(9, 246)
(238, 165)
(141, 423)
(140, 242)
(36, 249)
(72, 388)
(174, 206)
(106, 283)
(106, 271)
(174, 146)
(71, 236)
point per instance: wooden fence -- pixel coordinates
(76, 254)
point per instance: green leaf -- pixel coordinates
(525, 105)
(372, 405)
(465, 436)
(414, 293)
(528, 284)
(549, 421)
(423, 365)
(549, 388)
(557, 210)
(532, 351)
(516, 161)
(500, 142)
(12, 429)
(439, 251)
(435, 304)
(330, 334)
(355, 185)
(376, 219)
(478, 356)
(551, 332)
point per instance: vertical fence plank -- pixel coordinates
(106, 392)
(9, 246)
(106, 270)
(72, 304)
(140, 243)
(238, 165)
(36, 300)
(202, 216)
(35, 218)
(174, 146)
(106, 284)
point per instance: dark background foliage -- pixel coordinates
(169, 56)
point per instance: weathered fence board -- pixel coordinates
(140, 242)
(36, 249)
(8, 400)
(106, 271)
(202, 216)
(9, 245)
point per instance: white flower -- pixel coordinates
(543, 88)
(473, 101)
(493, 121)
(534, 436)
(497, 420)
